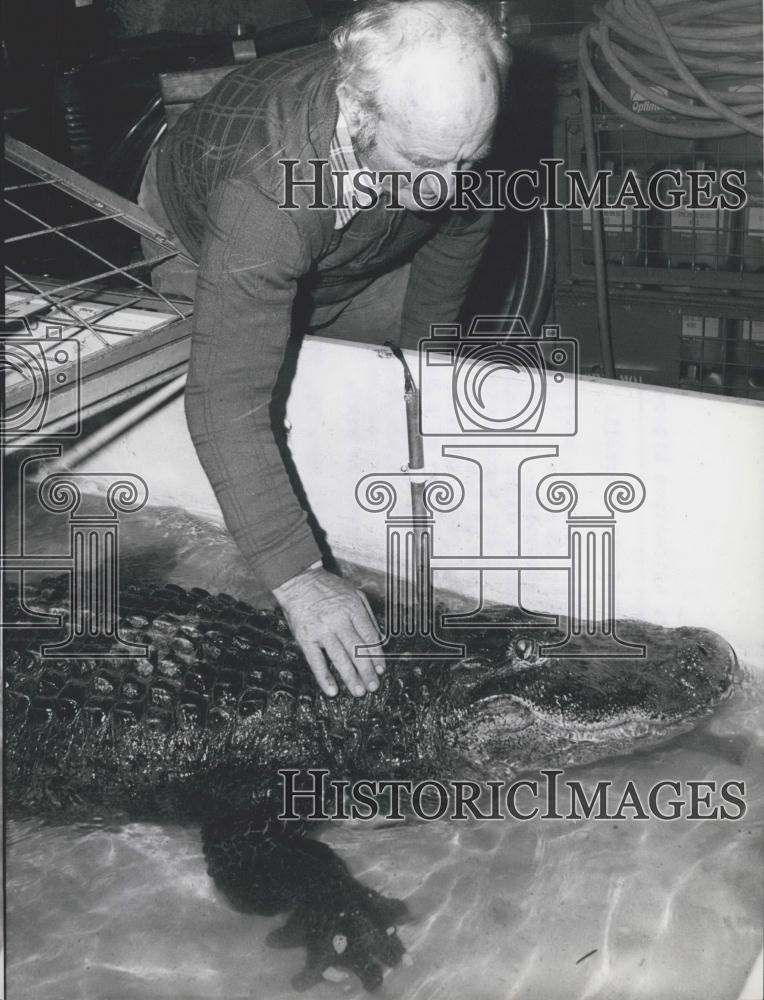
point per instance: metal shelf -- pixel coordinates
(83, 326)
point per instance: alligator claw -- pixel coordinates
(360, 937)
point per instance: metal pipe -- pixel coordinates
(415, 444)
(598, 236)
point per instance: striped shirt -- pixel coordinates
(344, 165)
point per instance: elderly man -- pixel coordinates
(411, 87)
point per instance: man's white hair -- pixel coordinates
(371, 42)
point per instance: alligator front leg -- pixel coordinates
(265, 866)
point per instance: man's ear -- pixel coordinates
(351, 107)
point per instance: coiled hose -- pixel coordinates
(674, 50)
(674, 45)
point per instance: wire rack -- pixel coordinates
(722, 354)
(82, 326)
(704, 342)
(707, 248)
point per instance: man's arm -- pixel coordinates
(441, 273)
(251, 259)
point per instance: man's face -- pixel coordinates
(430, 156)
(437, 116)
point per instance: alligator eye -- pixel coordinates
(524, 648)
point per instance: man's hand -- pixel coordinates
(328, 616)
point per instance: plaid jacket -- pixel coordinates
(221, 183)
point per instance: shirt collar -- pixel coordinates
(344, 164)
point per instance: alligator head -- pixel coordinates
(537, 708)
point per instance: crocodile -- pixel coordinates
(200, 727)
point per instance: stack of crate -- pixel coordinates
(686, 286)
